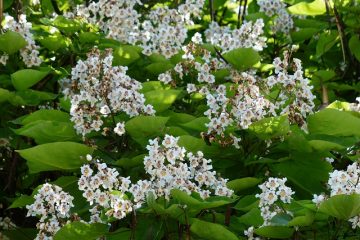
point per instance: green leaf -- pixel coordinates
(48, 131)
(23, 79)
(243, 183)
(46, 115)
(354, 45)
(89, 37)
(122, 233)
(7, 4)
(321, 145)
(184, 198)
(275, 232)
(11, 42)
(341, 206)
(193, 144)
(252, 218)
(30, 97)
(316, 169)
(143, 128)
(151, 85)
(5, 95)
(242, 58)
(133, 162)
(342, 106)
(80, 230)
(22, 201)
(67, 25)
(268, 128)
(334, 122)
(316, 7)
(211, 231)
(54, 42)
(303, 34)
(55, 156)
(125, 55)
(196, 204)
(247, 203)
(197, 124)
(326, 41)
(281, 219)
(20, 233)
(159, 67)
(302, 221)
(161, 99)
(324, 75)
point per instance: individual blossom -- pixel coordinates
(120, 128)
(273, 194)
(318, 199)
(249, 233)
(29, 53)
(355, 106)
(97, 90)
(53, 206)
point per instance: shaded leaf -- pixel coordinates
(55, 156)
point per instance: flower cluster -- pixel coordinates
(165, 30)
(6, 224)
(53, 206)
(30, 53)
(273, 191)
(171, 167)
(118, 19)
(246, 106)
(103, 188)
(283, 21)
(295, 97)
(97, 89)
(343, 182)
(162, 30)
(249, 35)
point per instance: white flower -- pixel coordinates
(197, 38)
(30, 53)
(120, 128)
(96, 89)
(53, 206)
(272, 191)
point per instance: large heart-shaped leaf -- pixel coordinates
(342, 206)
(55, 156)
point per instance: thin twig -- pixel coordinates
(228, 215)
(1, 12)
(223, 15)
(244, 12)
(218, 53)
(211, 6)
(239, 14)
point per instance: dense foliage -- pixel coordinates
(186, 119)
